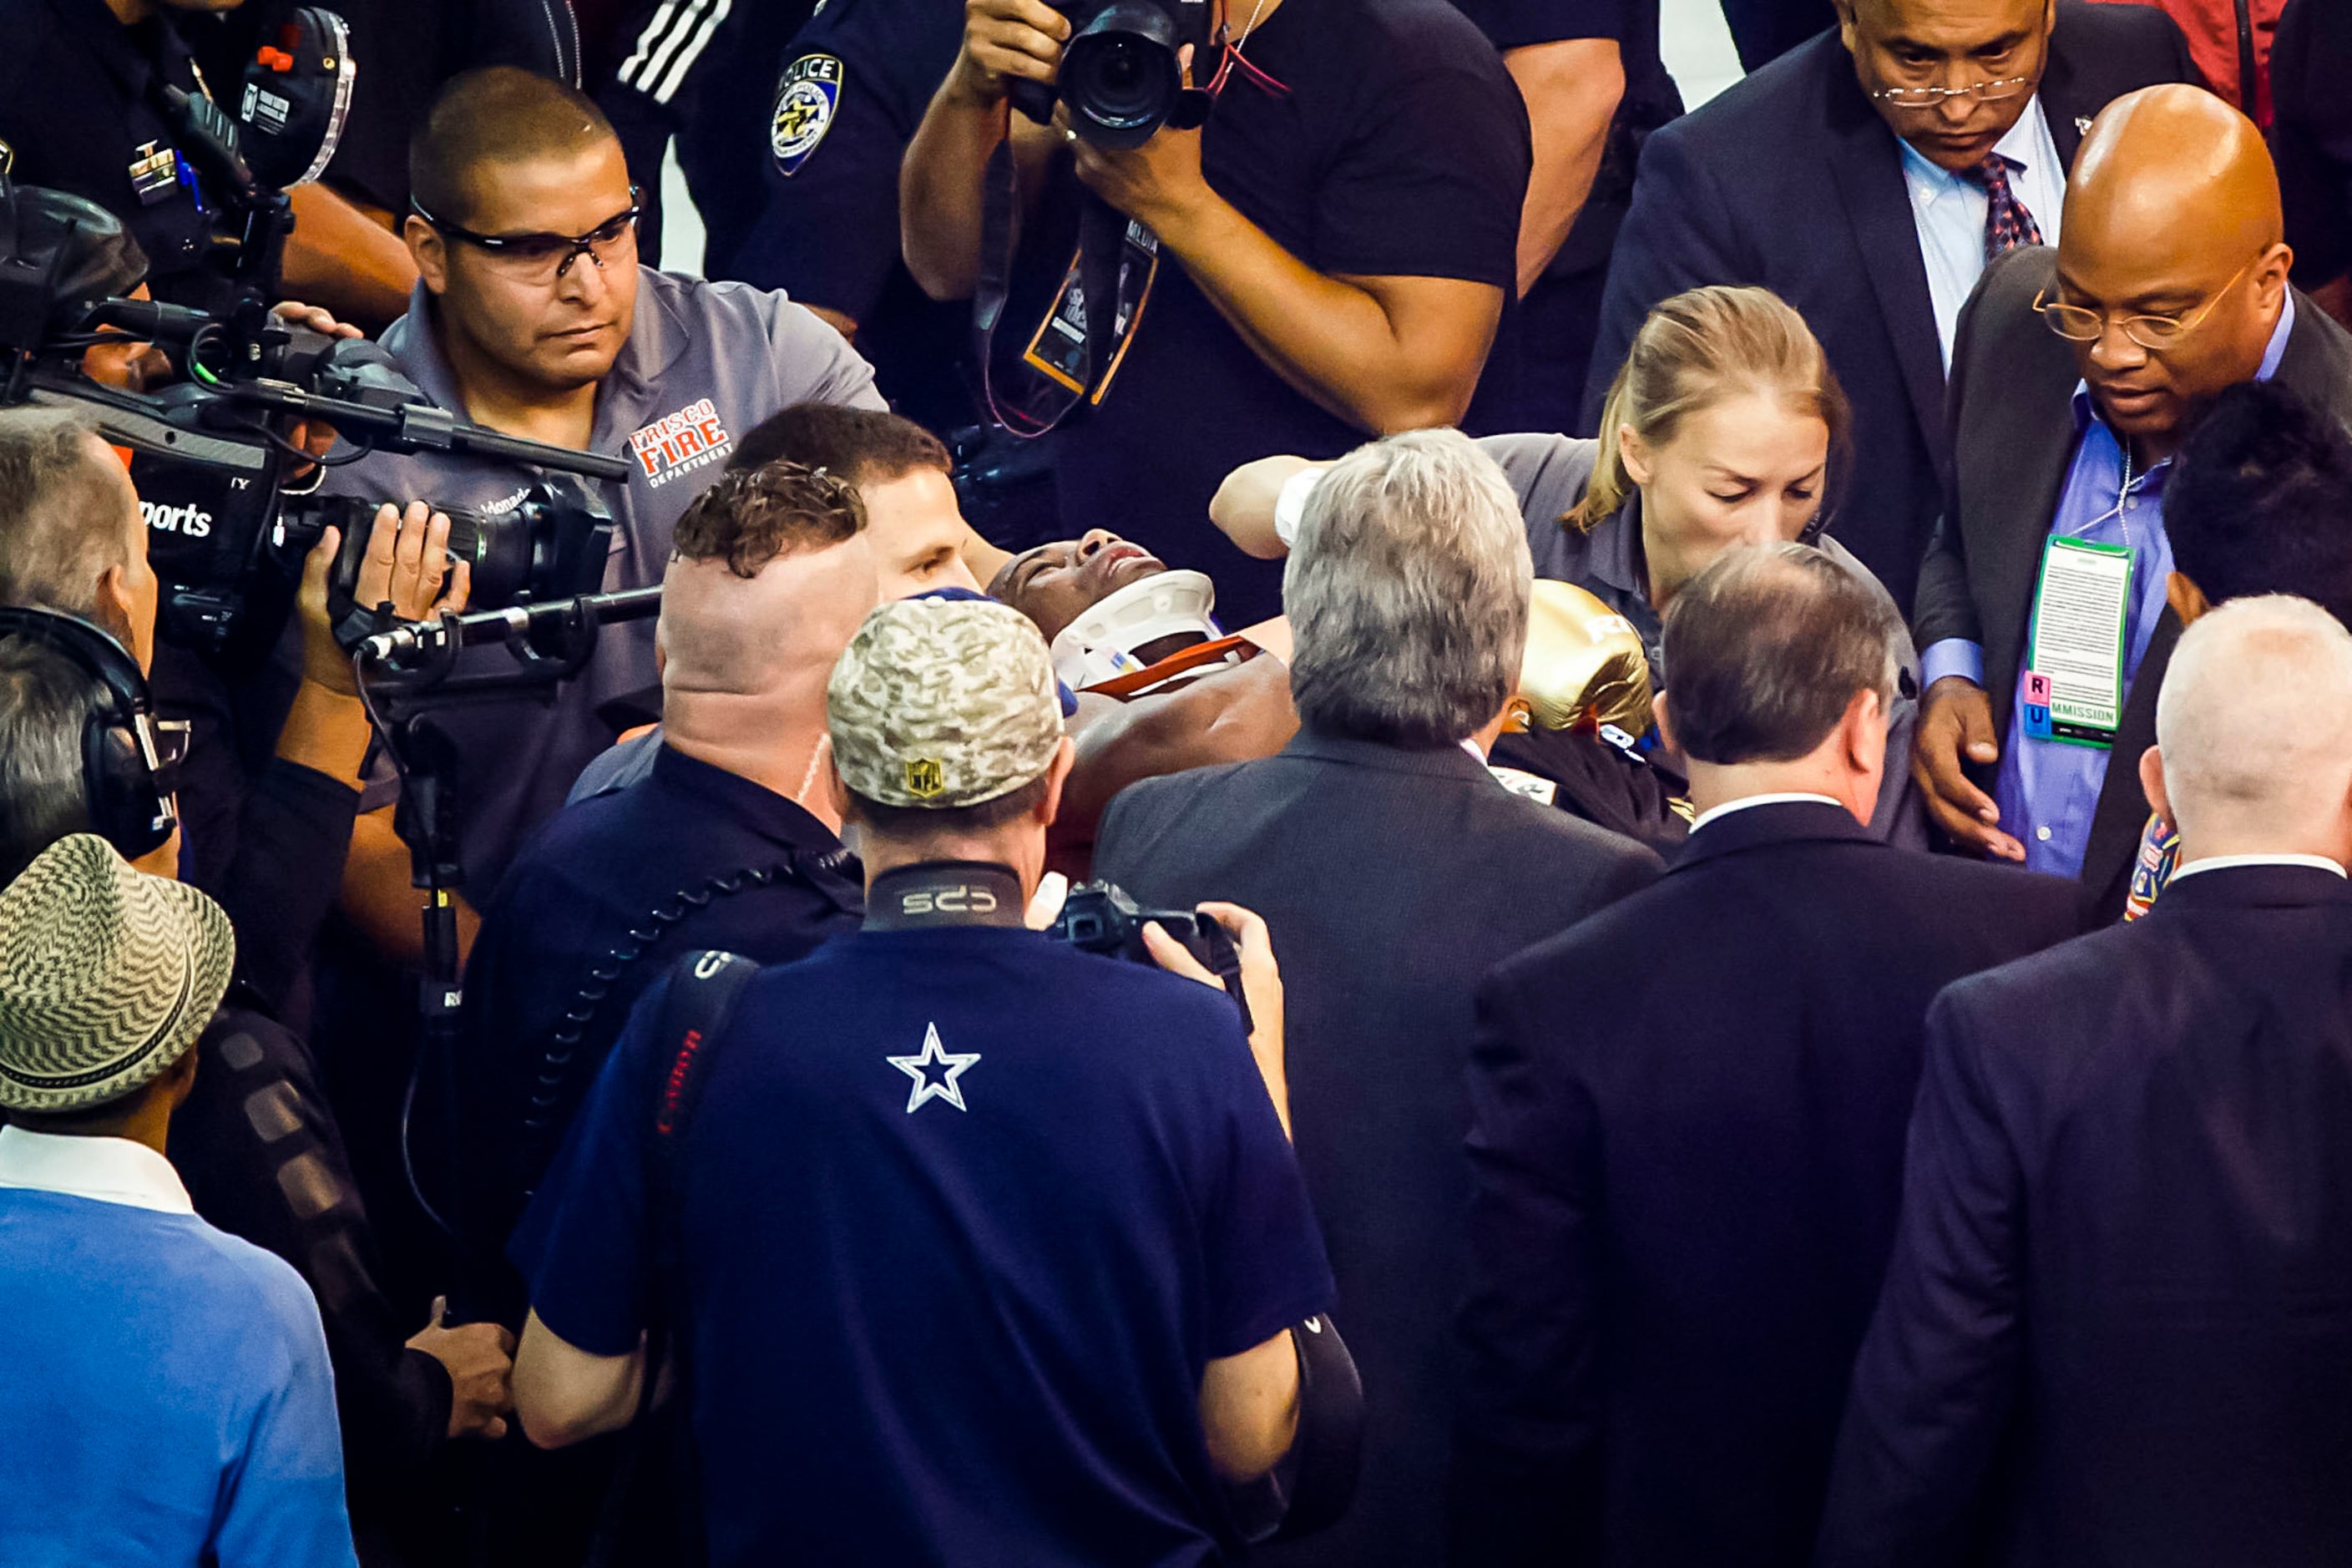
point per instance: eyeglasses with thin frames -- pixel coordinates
(1932, 96)
(542, 258)
(2081, 324)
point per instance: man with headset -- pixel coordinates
(256, 1143)
(76, 585)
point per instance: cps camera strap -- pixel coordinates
(1078, 347)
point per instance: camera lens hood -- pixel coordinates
(1120, 74)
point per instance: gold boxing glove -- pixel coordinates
(1584, 665)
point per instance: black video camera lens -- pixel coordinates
(1121, 75)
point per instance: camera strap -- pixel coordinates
(1075, 352)
(945, 893)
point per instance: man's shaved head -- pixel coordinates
(499, 114)
(2173, 208)
(2254, 729)
(773, 575)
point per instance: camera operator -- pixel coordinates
(1328, 257)
(1061, 1232)
(73, 537)
(81, 111)
(533, 317)
(254, 1141)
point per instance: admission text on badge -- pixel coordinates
(2076, 645)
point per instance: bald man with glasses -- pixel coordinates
(2077, 375)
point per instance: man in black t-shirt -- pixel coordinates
(1595, 87)
(1328, 257)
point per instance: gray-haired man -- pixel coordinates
(1392, 870)
(1686, 1186)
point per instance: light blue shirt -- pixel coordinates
(165, 1397)
(2048, 790)
(1949, 211)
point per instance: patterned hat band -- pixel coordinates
(107, 976)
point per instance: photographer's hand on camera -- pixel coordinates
(1160, 182)
(1261, 985)
(1003, 39)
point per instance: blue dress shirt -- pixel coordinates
(1949, 211)
(2048, 790)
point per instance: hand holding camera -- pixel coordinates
(1005, 41)
(1261, 983)
(408, 565)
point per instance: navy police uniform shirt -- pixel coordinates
(593, 874)
(850, 93)
(1401, 148)
(966, 1212)
(77, 115)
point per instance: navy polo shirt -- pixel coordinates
(595, 872)
(966, 1215)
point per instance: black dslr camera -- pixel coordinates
(1100, 918)
(1120, 74)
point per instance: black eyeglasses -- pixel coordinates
(544, 258)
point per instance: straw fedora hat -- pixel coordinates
(107, 975)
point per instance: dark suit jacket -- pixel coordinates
(2015, 441)
(1390, 880)
(1688, 1140)
(2117, 1326)
(1790, 180)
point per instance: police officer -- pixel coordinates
(534, 317)
(1327, 257)
(81, 109)
(852, 90)
(1595, 87)
(700, 73)
(1057, 1225)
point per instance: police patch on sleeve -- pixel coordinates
(805, 99)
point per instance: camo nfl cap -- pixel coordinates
(943, 702)
(107, 976)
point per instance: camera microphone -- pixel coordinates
(410, 642)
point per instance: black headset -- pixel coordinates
(126, 782)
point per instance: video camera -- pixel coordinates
(1120, 73)
(1099, 917)
(226, 539)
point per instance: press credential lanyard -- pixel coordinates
(2082, 607)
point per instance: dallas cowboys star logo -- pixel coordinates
(935, 1072)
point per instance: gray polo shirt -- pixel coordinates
(1550, 474)
(704, 363)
